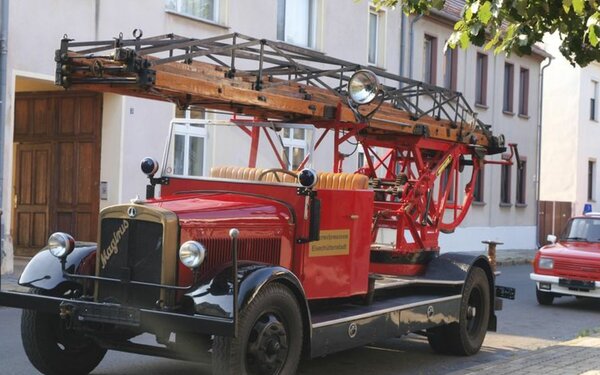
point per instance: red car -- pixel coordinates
(570, 265)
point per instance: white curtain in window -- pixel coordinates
(297, 22)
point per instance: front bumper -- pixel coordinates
(555, 286)
(144, 319)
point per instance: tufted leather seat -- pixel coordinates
(327, 180)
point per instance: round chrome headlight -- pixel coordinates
(192, 254)
(60, 244)
(363, 87)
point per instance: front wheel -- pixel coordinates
(544, 298)
(269, 340)
(53, 349)
(466, 336)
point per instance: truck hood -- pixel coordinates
(223, 208)
(573, 249)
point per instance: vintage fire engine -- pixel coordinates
(256, 265)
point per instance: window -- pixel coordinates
(189, 143)
(594, 101)
(521, 183)
(297, 22)
(509, 79)
(524, 92)
(376, 37)
(478, 188)
(361, 159)
(205, 9)
(294, 147)
(448, 178)
(429, 59)
(481, 79)
(505, 184)
(591, 187)
(450, 68)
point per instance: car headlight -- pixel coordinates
(546, 263)
(363, 87)
(192, 254)
(60, 244)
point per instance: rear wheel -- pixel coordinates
(269, 338)
(544, 298)
(466, 336)
(53, 349)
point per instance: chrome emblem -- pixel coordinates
(132, 212)
(430, 312)
(352, 330)
(113, 246)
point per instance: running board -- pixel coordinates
(350, 326)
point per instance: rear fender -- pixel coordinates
(44, 270)
(456, 267)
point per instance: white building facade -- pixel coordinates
(68, 155)
(571, 130)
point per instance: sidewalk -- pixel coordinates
(580, 356)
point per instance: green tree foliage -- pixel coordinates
(516, 25)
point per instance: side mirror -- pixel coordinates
(551, 238)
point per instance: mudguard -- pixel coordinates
(215, 297)
(44, 270)
(456, 267)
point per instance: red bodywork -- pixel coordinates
(208, 209)
(572, 259)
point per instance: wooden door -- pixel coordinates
(32, 196)
(58, 143)
(553, 217)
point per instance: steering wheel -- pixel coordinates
(274, 171)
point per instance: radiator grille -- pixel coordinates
(264, 250)
(579, 269)
(130, 250)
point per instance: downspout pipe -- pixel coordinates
(412, 44)
(539, 152)
(404, 18)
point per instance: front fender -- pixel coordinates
(44, 270)
(215, 297)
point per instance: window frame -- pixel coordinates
(178, 10)
(311, 28)
(432, 63)
(594, 102)
(521, 183)
(478, 188)
(591, 185)
(508, 88)
(505, 184)
(481, 78)
(524, 92)
(291, 142)
(450, 75)
(184, 126)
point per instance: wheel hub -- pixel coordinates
(267, 345)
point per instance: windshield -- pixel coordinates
(582, 229)
(206, 148)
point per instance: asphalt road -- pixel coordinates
(523, 325)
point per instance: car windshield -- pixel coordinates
(212, 148)
(582, 229)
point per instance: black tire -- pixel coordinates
(544, 298)
(53, 349)
(466, 336)
(269, 338)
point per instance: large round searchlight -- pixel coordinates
(192, 254)
(60, 244)
(363, 87)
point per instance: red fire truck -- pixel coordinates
(264, 259)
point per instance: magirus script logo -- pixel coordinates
(113, 247)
